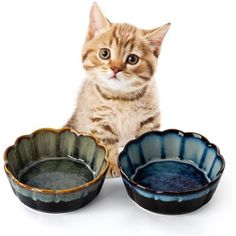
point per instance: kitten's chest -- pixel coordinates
(126, 120)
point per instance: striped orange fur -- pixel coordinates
(118, 100)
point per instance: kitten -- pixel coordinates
(118, 100)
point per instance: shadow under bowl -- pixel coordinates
(56, 170)
(171, 172)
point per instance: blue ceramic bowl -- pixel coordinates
(56, 170)
(171, 172)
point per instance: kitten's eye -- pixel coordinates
(132, 59)
(104, 53)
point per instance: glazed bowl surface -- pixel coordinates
(171, 172)
(56, 170)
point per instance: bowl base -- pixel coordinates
(169, 208)
(59, 207)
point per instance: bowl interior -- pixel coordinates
(55, 160)
(171, 161)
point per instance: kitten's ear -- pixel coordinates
(155, 37)
(97, 22)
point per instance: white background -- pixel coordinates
(41, 71)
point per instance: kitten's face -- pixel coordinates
(119, 56)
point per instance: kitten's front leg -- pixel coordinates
(113, 170)
(149, 124)
(108, 136)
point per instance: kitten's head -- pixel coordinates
(120, 56)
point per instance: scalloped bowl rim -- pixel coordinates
(174, 131)
(51, 191)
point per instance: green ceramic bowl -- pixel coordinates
(56, 170)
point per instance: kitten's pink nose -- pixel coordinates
(116, 70)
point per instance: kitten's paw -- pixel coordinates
(113, 171)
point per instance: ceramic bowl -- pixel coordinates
(56, 170)
(171, 172)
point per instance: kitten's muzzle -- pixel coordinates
(116, 70)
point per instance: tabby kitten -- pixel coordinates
(118, 100)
